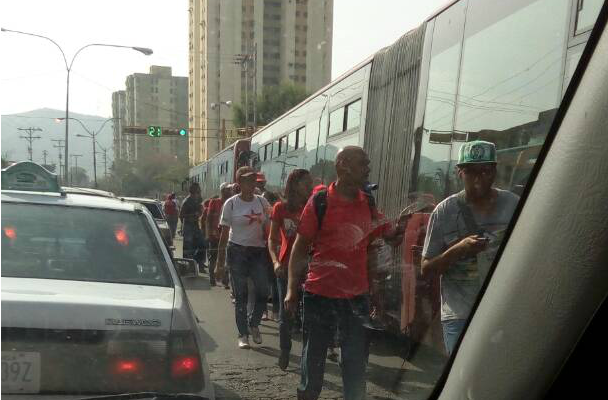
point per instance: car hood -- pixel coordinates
(63, 304)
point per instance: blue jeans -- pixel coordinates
(322, 315)
(285, 320)
(248, 262)
(452, 329)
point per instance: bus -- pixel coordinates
(490, 70)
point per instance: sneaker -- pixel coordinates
(283, 360)
(257, 336)
(244, 342)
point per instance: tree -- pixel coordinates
(272, 103)
(151, 175)
(79, 177)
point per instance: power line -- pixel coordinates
(60, 147)
(29, 138)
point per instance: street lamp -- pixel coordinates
(92, 136)
(144, 50)
(222, 136)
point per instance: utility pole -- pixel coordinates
(104, 151)
(223, 133)
(255, 87)
(59, 146)
(44, 154)
(75, 167)
(30, 131)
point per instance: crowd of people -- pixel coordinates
(307, 250)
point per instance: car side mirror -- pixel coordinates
(186, 267)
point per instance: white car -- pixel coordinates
(92, 302)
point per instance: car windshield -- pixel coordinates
(82, 244)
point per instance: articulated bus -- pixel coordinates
(493, 70)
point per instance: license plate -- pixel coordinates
(20, 372)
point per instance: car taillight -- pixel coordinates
(184, 366)
(186, 371)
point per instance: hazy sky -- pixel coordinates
(32, 71)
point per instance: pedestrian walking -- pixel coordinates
(189, 215)
(283, 230)
(213, 231)
(339, 224)
(242, 245)
(463, 236)
(272, 314)
(171, 211)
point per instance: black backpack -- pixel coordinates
(320, 203)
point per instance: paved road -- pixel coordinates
(253, 374)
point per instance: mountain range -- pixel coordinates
(14, 148)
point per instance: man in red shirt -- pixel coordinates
(336, 291)
(212, 229)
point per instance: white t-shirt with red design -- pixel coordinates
(246, 220)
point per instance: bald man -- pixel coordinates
(336, 290)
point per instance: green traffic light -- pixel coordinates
(183, 132)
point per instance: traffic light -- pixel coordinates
(155, 131)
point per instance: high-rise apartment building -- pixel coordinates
(284, 40)
(154, 99)
(119, 111)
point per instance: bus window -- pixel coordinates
(336, 121)
(438, 120)
(588, 11)
(509, 91)
(353, 115)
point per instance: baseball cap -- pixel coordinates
(244, 172)
(260, 177)
(477, 152)
(224, 185)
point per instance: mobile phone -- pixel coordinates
(483, 239)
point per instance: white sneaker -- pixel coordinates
(257, 336)
(244, 342)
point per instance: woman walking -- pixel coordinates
(243, 245)
(283, 229)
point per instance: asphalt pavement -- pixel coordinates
(254, 374)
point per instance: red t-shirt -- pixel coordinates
(288, 223)
(214, 211)
(338, 268)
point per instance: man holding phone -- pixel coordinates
(463, 236)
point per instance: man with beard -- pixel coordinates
(463, 236)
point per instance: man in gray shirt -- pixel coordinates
(463, 236)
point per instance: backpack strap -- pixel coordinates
(320, 204)
(371, 202)
(319, 201)
(467, 214)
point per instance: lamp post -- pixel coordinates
(144, 50)
(222, 136)
(93, 137)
